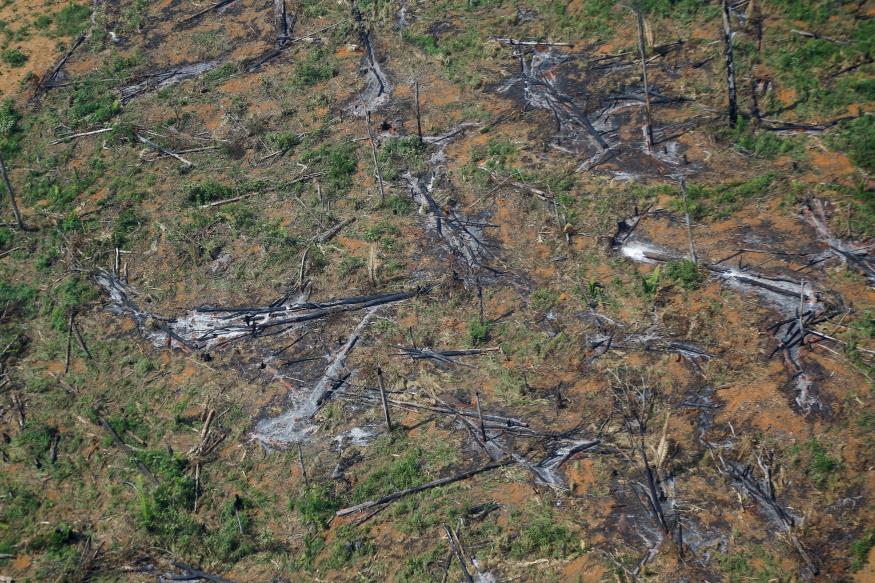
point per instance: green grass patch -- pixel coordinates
(14, 57)
(399, 155)
(857, 139)
(338, 161)
(684, 273)
(860, 550)
(543, 536)
(72, 19)
(10, 128)
(319, 65)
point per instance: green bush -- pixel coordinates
(10, 130)
(403, 472)
(684, 273)
(339, 163)
(93, 102)
(857, 139)
(399, 205)
(542, 299)
(478, 333)
(425, 42)
(399, 155)
(284, 140)
(207, 191)
(72, 19)
(760, 143)
(126, 223)
(821, 465)
(544, 538)
(860, 550)
(317, 504)
(162, 510)
(14, 57)
(18, 297)
(71, 295)
(318, 66)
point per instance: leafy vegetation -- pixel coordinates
(14, 57)
(684, 273)
(857, 138)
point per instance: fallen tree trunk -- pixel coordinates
(730, 66)
(427, 486)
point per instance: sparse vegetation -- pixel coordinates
(211, 403)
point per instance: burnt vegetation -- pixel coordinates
(460, 291)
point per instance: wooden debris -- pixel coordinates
(81, 135)
(730, 65)
(191, 574)
(529, 43)
(454, 544)
(19, 221)
(164, 151)
(125, 447)
(384, 401)
(333, 231)
(444, 356)
(216, 203)
(47, 81)
(642, 52)
(427, 486)
(214, 8)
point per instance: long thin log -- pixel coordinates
(81, 341)
(730, 66)
(529, 43)
(69, 342)
(427, 486)
(213, 8)
(642, 52)
(480, 416)
(687, 220)
(818, 37)
(192, 573)
(127, 448)
(44, 83)
(333, 231)
(456, 551)
(281, 21)
(155, 146)
(81, 135)
(377, 173)
(418, 116)
(238, 198)
(505, 421)
(11, 193)
(19, 408)
(385, 401)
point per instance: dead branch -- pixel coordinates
(125, 447)
(81, 135)
(332, 232)
(529, 43)
(164, 151)
(46, 82)
(214, 8)
(248, 194)
(289, 427)
(818, 37)
(451, 537)
(730, 66)
(19, 221)
(445, 356)
(648, 127)
(427, 486)
(190, 573)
